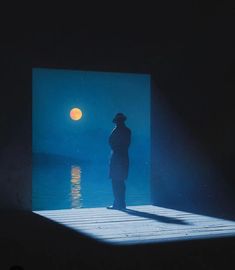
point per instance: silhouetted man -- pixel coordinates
(119, 142)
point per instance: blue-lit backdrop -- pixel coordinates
(71, 158)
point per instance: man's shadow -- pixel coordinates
(158, 218)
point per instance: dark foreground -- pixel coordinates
(35, 242)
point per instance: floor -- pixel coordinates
(140, 224)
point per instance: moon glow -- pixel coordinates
(75, 114)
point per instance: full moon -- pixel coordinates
(76, 114)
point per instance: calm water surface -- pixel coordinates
(66, 184)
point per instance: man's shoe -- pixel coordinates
(112, 207)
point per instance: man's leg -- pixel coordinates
(122, 194)
(115, 192)
(119, 193)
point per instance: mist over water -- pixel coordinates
(64, 184)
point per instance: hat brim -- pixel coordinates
(115, 119)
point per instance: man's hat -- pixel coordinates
(119, 116)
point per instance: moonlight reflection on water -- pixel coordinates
(75, 195)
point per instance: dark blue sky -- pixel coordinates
(100, 95)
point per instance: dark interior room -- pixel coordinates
(187, 49)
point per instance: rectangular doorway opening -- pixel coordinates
(70, 148)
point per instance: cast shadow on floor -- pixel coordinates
(156, 217)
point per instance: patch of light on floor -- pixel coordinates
(140, 224)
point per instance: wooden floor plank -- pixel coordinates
(142, 224)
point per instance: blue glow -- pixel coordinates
(184, 176)
(61, 144)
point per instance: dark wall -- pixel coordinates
(15, 137)
(189, 56)
(193, 112)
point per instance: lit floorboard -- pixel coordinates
(141, 224)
